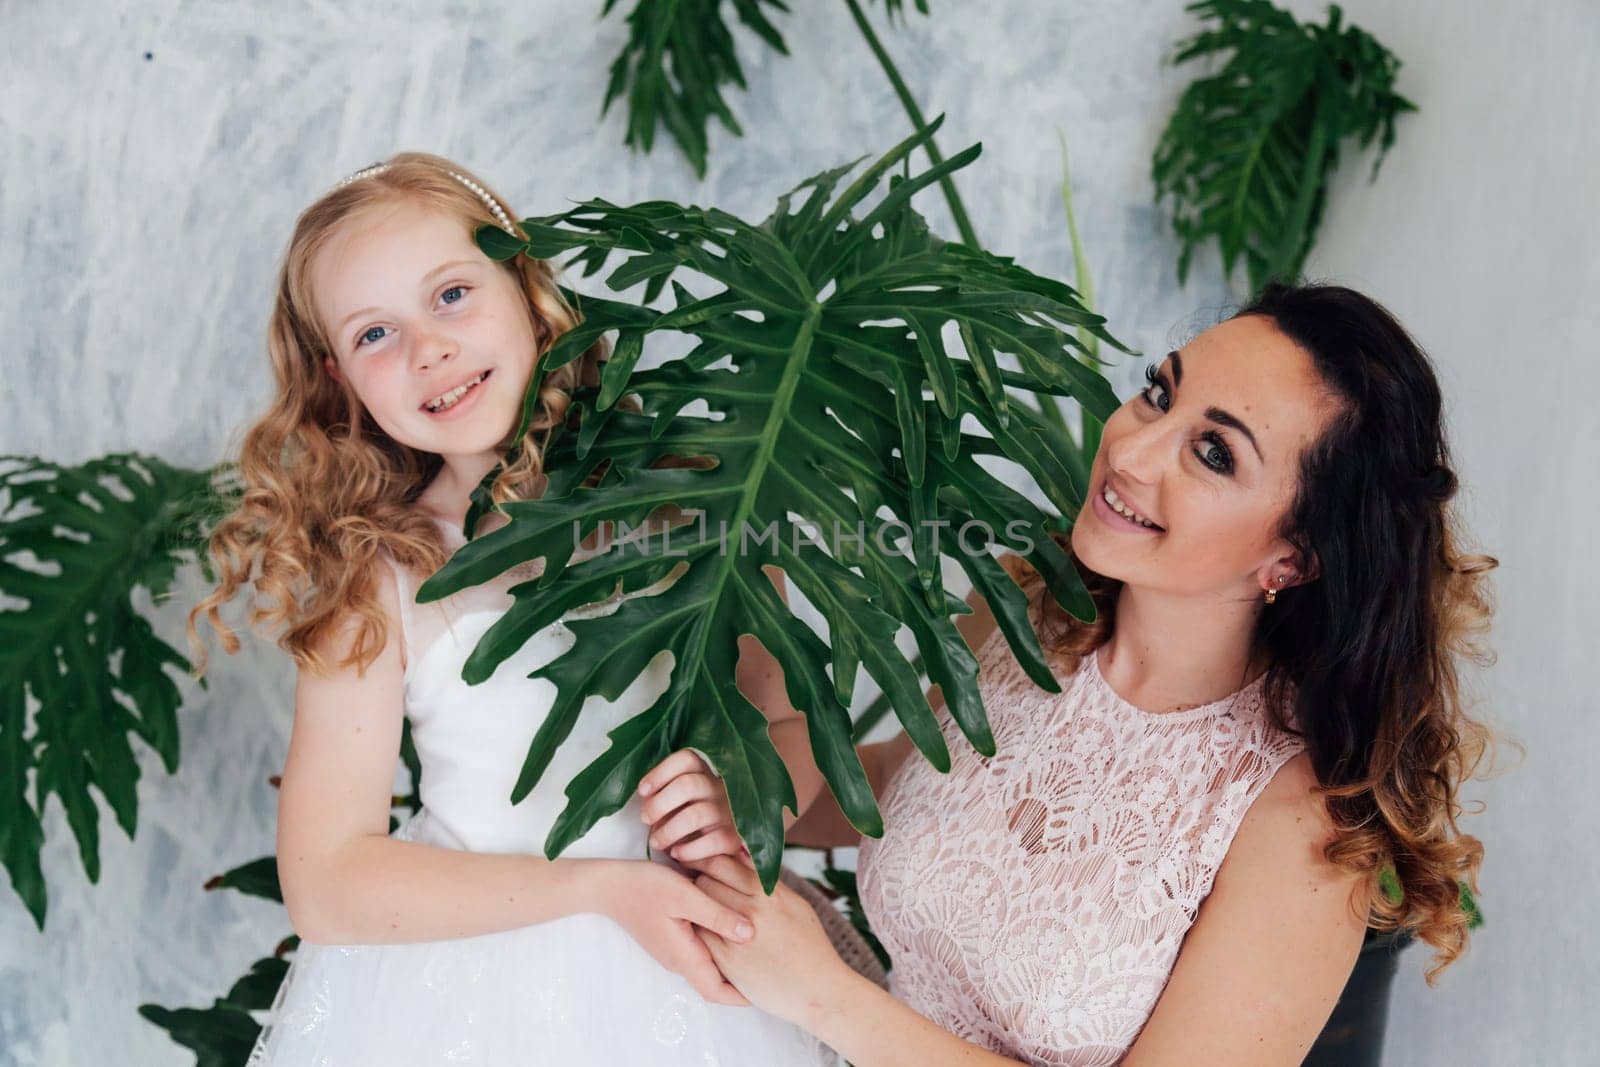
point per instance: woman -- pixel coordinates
(1264, 716)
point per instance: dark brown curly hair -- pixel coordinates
(1364, 658)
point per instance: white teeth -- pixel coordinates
(439, 403)
(1124, 510)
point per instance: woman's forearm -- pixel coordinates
(792, 739)
(870, 1028)
(377, 890)
(823, 824)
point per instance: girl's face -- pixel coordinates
(435, 338)
(1209, 453)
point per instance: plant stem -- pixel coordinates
(953, 198)
(1090, 427)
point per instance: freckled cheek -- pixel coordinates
(497, 334)
(380, 391)
(1231, 539)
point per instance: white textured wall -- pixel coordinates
(1481, 233)
(143, 204)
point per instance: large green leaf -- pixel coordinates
(80, 668)
(833, 400)
(1246, 156)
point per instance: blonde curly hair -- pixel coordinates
(325, 489)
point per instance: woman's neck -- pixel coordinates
(1169, 652)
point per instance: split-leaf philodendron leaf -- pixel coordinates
(1248, 153)
(80, 668)
(838, 360)
(679, 57)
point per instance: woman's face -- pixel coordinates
(414, 312)
(1210, 454)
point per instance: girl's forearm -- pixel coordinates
(870, 1028)
(379, 890)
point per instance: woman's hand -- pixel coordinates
(790, 964)
(687, 809)
(662, 910)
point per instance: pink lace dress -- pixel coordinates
(1034, 902)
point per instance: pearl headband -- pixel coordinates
(489, 202)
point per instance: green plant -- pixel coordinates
(80, 668)
(1389, 885)
(1076, 453)
(689, 39)
(223, 1034)
(680, 55)
(835, 328)
(1246, 157)
(840, 884)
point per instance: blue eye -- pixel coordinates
(372, 336)
(459, 290)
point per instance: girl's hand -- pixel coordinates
(790, 965)
(662, 910)
(684, 799)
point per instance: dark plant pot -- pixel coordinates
(1354, 1034)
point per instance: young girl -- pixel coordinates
(402, 355)
(1174, 861)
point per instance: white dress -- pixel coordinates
(572, 991)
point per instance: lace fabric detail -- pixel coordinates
(1034, 902)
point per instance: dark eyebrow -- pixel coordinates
(1216, 415)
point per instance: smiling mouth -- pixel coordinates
(1115, 503)
(446, 401)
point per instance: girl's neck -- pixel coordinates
(449, 494)
(1169, 652)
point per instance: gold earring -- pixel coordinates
(1272, 594)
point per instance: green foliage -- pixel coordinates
(1389, 885)
(840, 884)
(897, 7)
(1247, 155)
(1469, 905)
(1076, 453)
(80, 668)
(679, 56)
(835, 327)
(223, 1034)
(258, 878)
